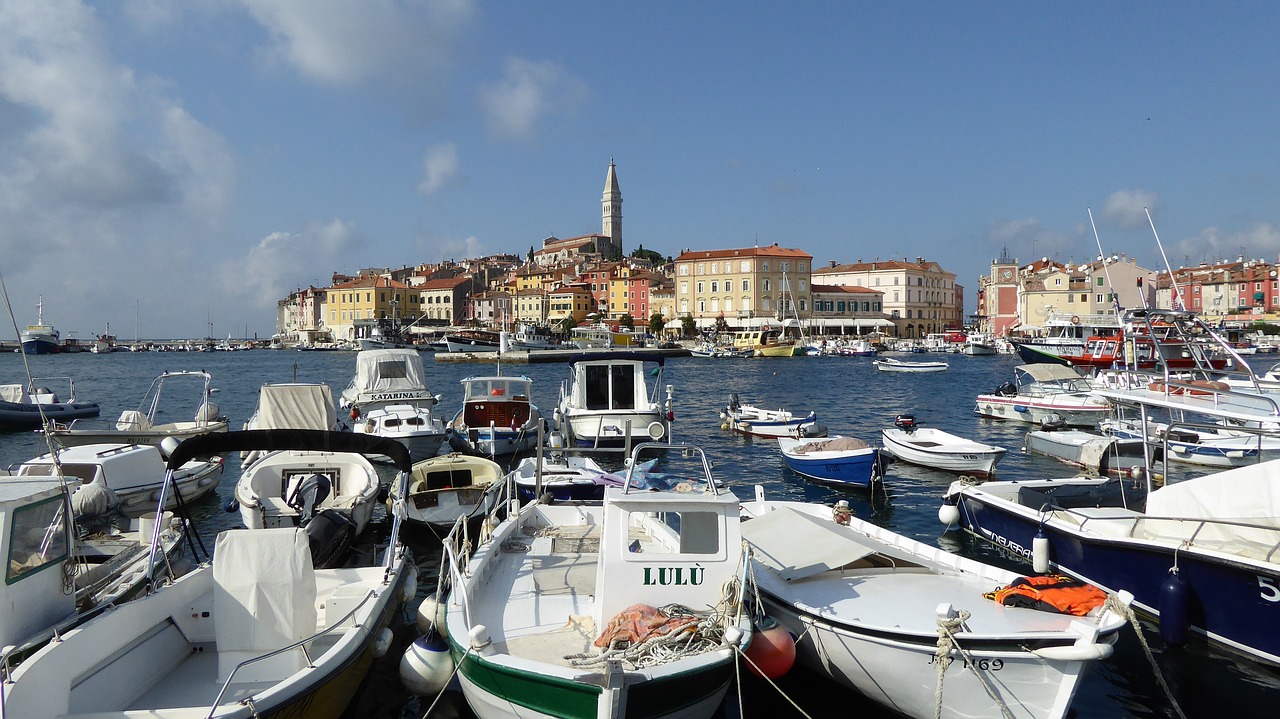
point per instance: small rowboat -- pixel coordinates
(934, 448)
(888, 364)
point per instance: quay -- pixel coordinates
(543, 356)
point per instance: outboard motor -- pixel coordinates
(308, 495)
(457, 442)
(905, 422)
(330, 535)
(813, 430)
(733, 402)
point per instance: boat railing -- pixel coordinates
(341, 624)
(1260, 542)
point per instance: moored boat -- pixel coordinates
(759, 422)
(259, 631)
(608, 403)
(937, 449)
(498, 417)
(917, 629)
(606, 610)
(889, 364)
(146, 424)
(37, 405)
(839, 460)
(442, 489)
(40, 338)
(1045, 393)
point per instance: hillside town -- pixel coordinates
(591, 279)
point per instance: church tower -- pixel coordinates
(611, 205)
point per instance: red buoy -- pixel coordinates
(772, 650)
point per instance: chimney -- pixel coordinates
(833, 264)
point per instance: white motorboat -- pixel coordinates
(878, 612)
(286, 488)
(772, 423)
(259, 631)
(413, 425)
(388, 397)
(1206, 445)
(930, 447)
(498, 417)
(442, 489)
(607, 403)
(889, 364)
(135, 473)
(1096, 454)
(1043, 393)
(291, 405)
(44, 525)
(549, 600)
(150, 423)
(978, 345)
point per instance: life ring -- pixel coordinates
(1075, 319)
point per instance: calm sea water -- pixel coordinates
(850, 397)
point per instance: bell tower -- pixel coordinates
(611, 209)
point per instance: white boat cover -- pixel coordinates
(295, 406)
(264, 599)
(386, 371)
(1250, 493)
(799, 545)
(1045, 372)
(13, 393)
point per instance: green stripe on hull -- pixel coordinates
(567, 699)
(552, 696)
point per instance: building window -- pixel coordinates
(702, 306)
(684, 287)
(745, 266)
(764, 284)
(764, 266)
(699, 288)
(684, 270)
(746, 285)
(1100, 279)
(715, 285)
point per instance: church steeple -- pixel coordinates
(611, 206)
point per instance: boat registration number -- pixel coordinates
(986, 665)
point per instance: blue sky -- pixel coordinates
(199, 159)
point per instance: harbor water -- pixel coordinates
(850, 398)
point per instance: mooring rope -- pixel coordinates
(1114, 604)
(947, 641)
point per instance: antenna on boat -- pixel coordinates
(30, 387)
(1177, 296)
(1115, 299)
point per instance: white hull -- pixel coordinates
(940, 450)
(589, 427)
(868, 602)
(1076, 411)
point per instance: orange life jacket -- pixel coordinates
(1050, 593)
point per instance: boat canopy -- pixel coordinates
(799, 545)
(388, 370)
(270, 440)
(295, 406)
(1045, 372)
(1250, 493)
(496, 388)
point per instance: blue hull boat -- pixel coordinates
(1227, 581)
(839, 460)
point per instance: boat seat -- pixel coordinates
(264, 599)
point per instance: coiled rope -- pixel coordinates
(947, 627)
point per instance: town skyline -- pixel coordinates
(195, 162)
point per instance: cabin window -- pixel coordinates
(610, 387)
(392, 370)
(38, 539)
(692, 532)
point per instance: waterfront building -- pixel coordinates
(569, 302)
(920, 297)
(748, 287)
(356, 307)
(843, 309)
(444, 301)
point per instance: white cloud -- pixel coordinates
(1027, 234)
(284, 261)
(1260, 240)
(435, 249)
(529, 92)
(439, 167)
(404, 47)
(1127, 208)
(110, 191)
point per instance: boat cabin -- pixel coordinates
(496, 401)
(386, 376)
(35, 541)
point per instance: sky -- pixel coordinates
(176, 167)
